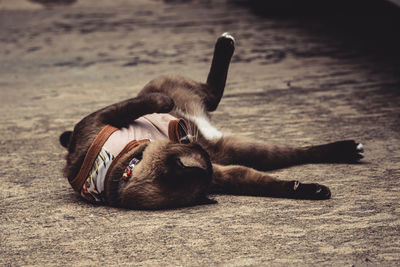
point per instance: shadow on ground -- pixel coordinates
(296, 80)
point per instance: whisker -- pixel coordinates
(197, 133)
(190, 136)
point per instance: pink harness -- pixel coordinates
(152, 127)
(111, 143)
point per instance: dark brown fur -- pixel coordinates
(172, 175)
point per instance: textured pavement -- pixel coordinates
(292, 81)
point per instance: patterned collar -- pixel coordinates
(128, 172)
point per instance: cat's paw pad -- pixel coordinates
(360, 150)
(228, 36)
(310, 191)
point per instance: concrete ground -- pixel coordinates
(298, 81)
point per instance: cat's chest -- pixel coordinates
(152, 126)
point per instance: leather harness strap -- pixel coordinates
(91, 156)
(77, 183)
(112, 186)
(131, 145)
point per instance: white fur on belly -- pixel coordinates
(205, 127)
(203, 124)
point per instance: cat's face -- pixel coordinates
(168, 175)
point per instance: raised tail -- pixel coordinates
(216, 79)
(65, 138)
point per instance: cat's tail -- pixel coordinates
(65, 138)
(216, 79)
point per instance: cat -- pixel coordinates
(169, 155)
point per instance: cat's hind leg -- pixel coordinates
(240, 180)
(233, 150)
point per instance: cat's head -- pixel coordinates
(168, 175)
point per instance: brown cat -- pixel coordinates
(132, 154)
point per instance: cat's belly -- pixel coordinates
(205, 127)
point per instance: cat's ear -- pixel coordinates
(65, 138)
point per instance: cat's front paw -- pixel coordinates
(309, 191)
